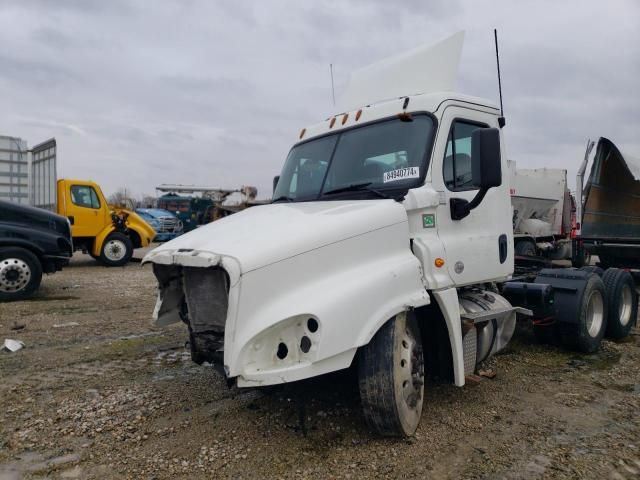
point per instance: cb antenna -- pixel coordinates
(333, 92)
(501, 120)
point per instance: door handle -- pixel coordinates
(502, 247)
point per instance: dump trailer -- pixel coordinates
(543, 212)
(609, 205)
(388, 244)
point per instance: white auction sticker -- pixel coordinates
(401, 174)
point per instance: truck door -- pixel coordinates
(85, 210)
(480, 246)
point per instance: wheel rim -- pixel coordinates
(410, 372)
(115, 250)
(15, 274)
(595, 314)
(625, 306)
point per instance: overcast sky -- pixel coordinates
(139, 93)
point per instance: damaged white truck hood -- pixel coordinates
(267, 234)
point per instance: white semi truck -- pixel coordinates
(388, 243)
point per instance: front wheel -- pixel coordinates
(117, 250)
(20, 273)
(391, 377)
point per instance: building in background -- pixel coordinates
(28, 176)
(14, 170)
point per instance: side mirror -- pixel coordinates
(486, 167)
(275, 182)
(486, 170)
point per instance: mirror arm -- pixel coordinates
(460, 207)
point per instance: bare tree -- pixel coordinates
(147, 201)
(121, 197)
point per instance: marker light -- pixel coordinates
(344, 118)
(358, 113)
(302, 132)
(438, 262)
(332, 122)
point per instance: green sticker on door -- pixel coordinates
(428, 220)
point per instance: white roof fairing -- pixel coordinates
(422, 70)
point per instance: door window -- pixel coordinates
(84, 196)
(457, 158)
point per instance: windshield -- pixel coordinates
(382, 156)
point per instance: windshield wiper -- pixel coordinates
(363, 186)
(349, 188)
(283, 198)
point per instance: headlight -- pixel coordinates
(291, 341)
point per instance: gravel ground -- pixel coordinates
(100, 393)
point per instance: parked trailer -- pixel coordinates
(389, 243)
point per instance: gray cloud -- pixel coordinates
(215, 92)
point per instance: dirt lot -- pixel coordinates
(100, 393)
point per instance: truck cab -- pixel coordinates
(107, 233)
(388, 243)
(378, 213)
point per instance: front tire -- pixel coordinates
(20, 273)
(622, 302)
(391, 377)
(117, 250)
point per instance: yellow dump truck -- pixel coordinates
(108, 233)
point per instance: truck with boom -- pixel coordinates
(388, 243)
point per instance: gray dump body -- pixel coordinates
(611, 207)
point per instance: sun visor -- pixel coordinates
(425, 69)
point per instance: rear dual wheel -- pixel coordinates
(586, 334)
(391, 377)
(622, 302)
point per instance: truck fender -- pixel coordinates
(96, 250)
(141, 235)
(448, 302)
(17, 242)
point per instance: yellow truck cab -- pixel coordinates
(108, 233)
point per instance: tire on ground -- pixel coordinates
(586, 335)
(391, 377)
(20, 273)
(622, 302)
(117, 250)
(525, 248)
